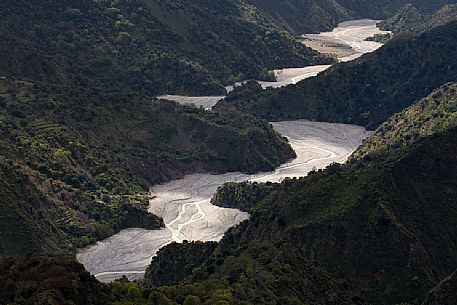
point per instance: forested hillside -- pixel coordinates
(384, 226)
(82, 136)
(410, 19)
(86, 163)
(301, 17)
(386, 8)
(431, 115)
(153, 46)
(374, 231)
(445, 293)
(364, 92)
(49, 280)
(407, 17)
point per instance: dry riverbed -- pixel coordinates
(346, 42)
(185, 204)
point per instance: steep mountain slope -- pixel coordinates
(444, 15)
(89, 173)
(444, 293)
(42, 214)
(157, 46)
(366, 91)
(301, 17)
(407, 17)
(431, 115)
(378, 230)
(386, 8)
(410, 19)
(82, 137)
(49, 280)
(385, 224)
(387, 230)
(260, 273)
(176, 262)
(374, 231)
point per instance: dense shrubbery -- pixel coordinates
(318, 16)
(410, 19)
(383, 225)
(81, 139)
(242, 196)
(176, 262)
(259, 273)
(406, 18)
(434, 114)
(78, 118)
(366, 91)
(445, 293)
(93, 167)
(378, 230)
(49, 280)
(154, 46)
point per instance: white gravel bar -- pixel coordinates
(185, 204)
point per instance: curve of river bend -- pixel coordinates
(185, 204)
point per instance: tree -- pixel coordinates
(192, 300)
(157, 298)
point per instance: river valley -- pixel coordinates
(346, 43)
(185, 204)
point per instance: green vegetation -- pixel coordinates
(49, 280)
(407, 17)
(434, 114)
(40, 213)
(301, 17)
(445, 293)
(381, 226)
(410, 19)
(60, 280)
(259, 273)
(442, 16)
(312, 16)
(242, 196)
(381, 38)
(152, 46)
(83, 138)
(176, 262)
(366, 91)
(385, 8)
(88, 173)
(377, 230)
